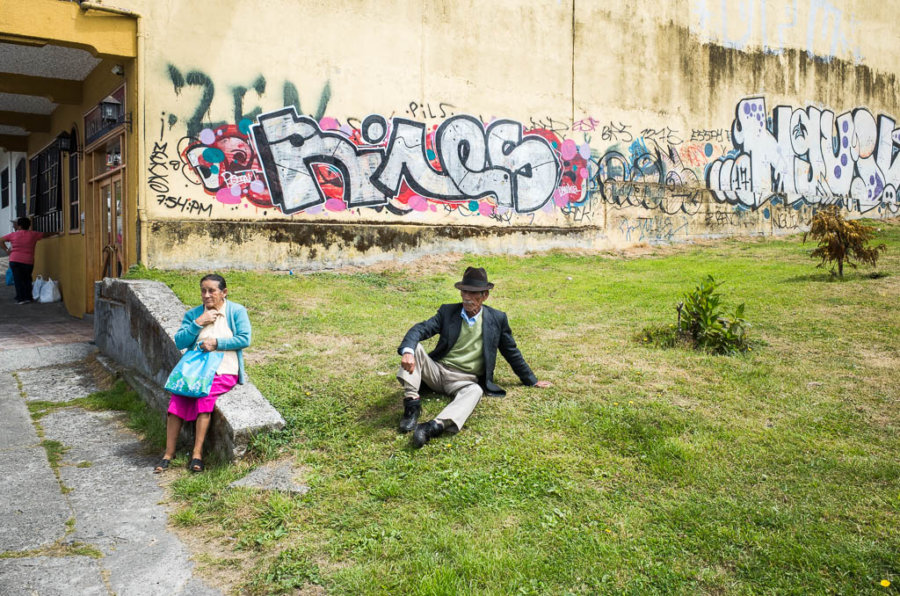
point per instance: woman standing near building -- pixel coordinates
(21, 256)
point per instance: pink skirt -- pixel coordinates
(187, 408)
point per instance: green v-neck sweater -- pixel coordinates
(467, 354)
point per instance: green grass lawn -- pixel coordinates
(642, 470)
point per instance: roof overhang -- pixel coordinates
(47, 49)
(70, 24)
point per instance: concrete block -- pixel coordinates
(243, 412)
(280, 476)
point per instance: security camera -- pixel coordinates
(118, 70)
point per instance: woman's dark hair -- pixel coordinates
(216, 278)
(24, 223)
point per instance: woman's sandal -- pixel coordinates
(196, 465)
(162, 466)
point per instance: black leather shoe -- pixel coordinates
(425, 432)
(411, 410)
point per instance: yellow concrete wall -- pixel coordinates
(657, 121)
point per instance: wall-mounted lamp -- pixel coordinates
(118, 70)
(64, 142)
(109, 109)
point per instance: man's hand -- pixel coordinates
(208, 316)
(408, 362)
(543, 384)
(209, 344)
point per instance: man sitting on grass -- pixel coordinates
(462, 363)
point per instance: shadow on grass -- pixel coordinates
(826, 277)
(829, 277)
(387, 409)
(384, 412)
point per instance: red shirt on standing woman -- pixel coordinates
(21, 256)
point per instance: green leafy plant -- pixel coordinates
(703, 323)
(703, 317)
(840, 239)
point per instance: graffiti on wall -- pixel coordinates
(811, 155)
(470, 165)
(296, 164)
(459, 161)
(822, 28)
(654, 229)
(225, 163)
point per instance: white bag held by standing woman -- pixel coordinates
(50, 291)
(36, 288)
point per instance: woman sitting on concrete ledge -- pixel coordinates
(218, 326)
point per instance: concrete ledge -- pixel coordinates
(134, 325)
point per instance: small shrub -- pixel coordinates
(704, 318)
(703, 323)
(840, 239)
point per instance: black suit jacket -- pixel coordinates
(496, 335)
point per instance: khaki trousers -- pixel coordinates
(462, 387)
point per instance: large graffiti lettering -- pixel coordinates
(290, 145)
(298, 164)
(474, 162)
(195, 78)
(809, 155)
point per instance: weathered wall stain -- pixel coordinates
(823, 31)
(288, 244)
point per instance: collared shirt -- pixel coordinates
(471, 320)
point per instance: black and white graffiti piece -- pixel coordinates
(521, 170)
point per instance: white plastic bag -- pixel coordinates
(50, 291)
(36, 288)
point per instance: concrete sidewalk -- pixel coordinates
(94, 525)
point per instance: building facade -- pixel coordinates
(300, 134)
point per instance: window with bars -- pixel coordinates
(74, 219)
(4, 188)
(46, 190)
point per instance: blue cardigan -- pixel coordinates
(239, 323)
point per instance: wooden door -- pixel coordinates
(111, 229)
